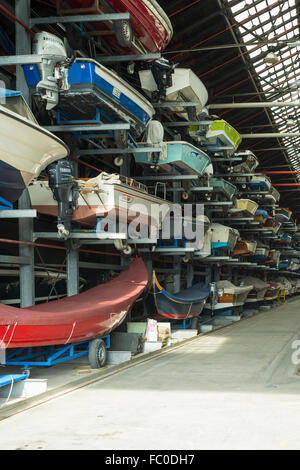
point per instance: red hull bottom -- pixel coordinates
(81, 317)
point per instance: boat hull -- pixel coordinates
(25, 150)
(151, 25)
(220, 133)
(82, 317)
(99, 199)
(92, 86)
(246, 207)
(179, 158)
(186, 86)
(223, 238)
(182, 306)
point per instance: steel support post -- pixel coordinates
(72, 268)
(27, 284)
(23, 44)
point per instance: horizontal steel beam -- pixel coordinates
(118, 151)
(79, 18)
(256, 104)
(20, 60)
(92, 127)
(18, 214)
(18, 260)
(127, 58)
(270, 135)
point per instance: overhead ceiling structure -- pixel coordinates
(226, 43)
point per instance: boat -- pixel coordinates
(272, 225)
(223, 238)
(284, 239)
(244, 248)
(223, 187)
(184, 232)
(261, 216)
(259, 288)
(249, 163)
(273, 258)
(282, 214)
(182, 305)
(230, 295)
(259, 183)
(92, 92)
(185, 87)
(246, 207)
(272, 196)
(220, 134)
(180, 158)
(82, 317)
(284, 264)
(148, 31)
(261, 252)
(295, 264)
(107, 195)
(26, 148)
(286, 284)
(273, 290)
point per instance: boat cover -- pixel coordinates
(73, 319)
(180, 306)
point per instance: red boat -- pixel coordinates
(81, 317)
(148, 31)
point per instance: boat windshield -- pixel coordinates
(18, 105)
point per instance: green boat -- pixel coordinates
(220, 134)
(177, 158)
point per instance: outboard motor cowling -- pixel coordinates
(162, 71)
(53, 68)
(61, 182)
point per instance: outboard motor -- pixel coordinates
(162, 71)
(54, 66)
(61, 182)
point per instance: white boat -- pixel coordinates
(186, 87)
(230, 295)
(26, 148)
(287, 285)
(273, 258)
(223, 238)
(272, 225)
(273, 290)
(261, 253)
(259, 288)
(273, 195)
(107, 195)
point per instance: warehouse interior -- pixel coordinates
(150, 242)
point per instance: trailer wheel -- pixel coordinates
(124, 33)
(97, 354)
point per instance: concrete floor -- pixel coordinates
(236, 388)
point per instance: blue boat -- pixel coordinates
(185, 304)
(97, 94)
(177, 158)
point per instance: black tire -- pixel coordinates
(124, 33)
(97, 354)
